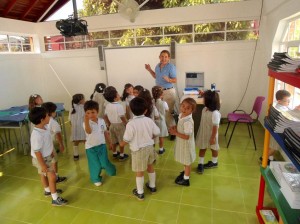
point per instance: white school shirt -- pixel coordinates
(97, 135)
(41, 141)
(140, 132)
(114, 111)
(54, 127)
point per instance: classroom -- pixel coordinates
(57, 67)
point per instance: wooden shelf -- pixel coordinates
(287, 214)
(287, 77)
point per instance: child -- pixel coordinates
(207, 136)
(55, 131)
(137, 89)
(96, 134)
(185, 143)
(283, 101)
(127, 97)
(162, 107)
(139, 133)
(34, 100)
(151, 109)
(115, 119)
(42, 153)
(76, 119)
(99, 98)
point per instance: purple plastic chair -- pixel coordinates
(245, 118)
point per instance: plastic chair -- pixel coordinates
(245, 118)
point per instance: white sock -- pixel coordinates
(214, 159)
(161, 149)
(54, 196)
(47, 189)
(152, 179)
(121, 154)
(75, 150)
(186, 177)
(56, 175)
(271, 158)
(140, 184)
(115, 153)
(201, 160)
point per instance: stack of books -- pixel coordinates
(278, 168)
(292, 142)
(290, 188)
(282, 62)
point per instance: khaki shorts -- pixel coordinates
(142, 158)
(48, 161)
(116, 132)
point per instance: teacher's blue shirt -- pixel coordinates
(168, 70)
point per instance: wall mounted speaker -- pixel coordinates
(173, 52)
(101, 57)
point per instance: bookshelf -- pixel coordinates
(286, 213)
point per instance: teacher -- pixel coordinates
(165, 76)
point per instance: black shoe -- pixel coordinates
(210, 165)
(260, 160)
(60, 179)
(160, 152)
(59, 191)
(123, 158)
(183, 182)
(140, 197)
(59, 202)
(180, 176)
(116, 155)
(172, 137)
(76, 158)
(152, 189)
(200, 168)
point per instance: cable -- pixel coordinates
(253, 57)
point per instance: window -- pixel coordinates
(290, 43)
(11, 44)
(182, 34)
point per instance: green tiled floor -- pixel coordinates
(224, 195)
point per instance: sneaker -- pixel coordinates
(98, 184)
(123, 158)
(76, 158)
(183, 182)
(140, 197)
(116, 155)
(180, 176)
(60, 179)
(152, 189)
(160, 152)
(59, 202)
(47, 194)
(210, 165)
(200, 168)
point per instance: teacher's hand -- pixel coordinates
(166, 78)
(147, 67)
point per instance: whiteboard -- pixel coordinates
(127, 65)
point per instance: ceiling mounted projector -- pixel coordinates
(72, 26)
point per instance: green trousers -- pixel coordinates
(98, 160)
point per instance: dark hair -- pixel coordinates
(37, 114)
(280, 94)
(139, 88)
(157, 91)
(138, 106)
(75, 100)
(211, 100)
(145, 94)
(191, 102)
(110, 93)
(31, 101)
(125, 94)
(165, 52)
(91, 105)
(100, 87)
(50, 107)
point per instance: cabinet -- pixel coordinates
(287, 215)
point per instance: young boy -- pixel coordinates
(42, 153)
(115, 119)
(283, 101)
(139, 133)
(55, 131)
(96, 134)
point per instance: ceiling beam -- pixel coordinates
(9, 7)
(48, 8)
(31, 5)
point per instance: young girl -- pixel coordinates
(137, 89)
(99, 98)
(34, 101)
(76, 119)
(151, 109)
(185, 144)
(127, 97)
(207, 136)
(162, 107)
